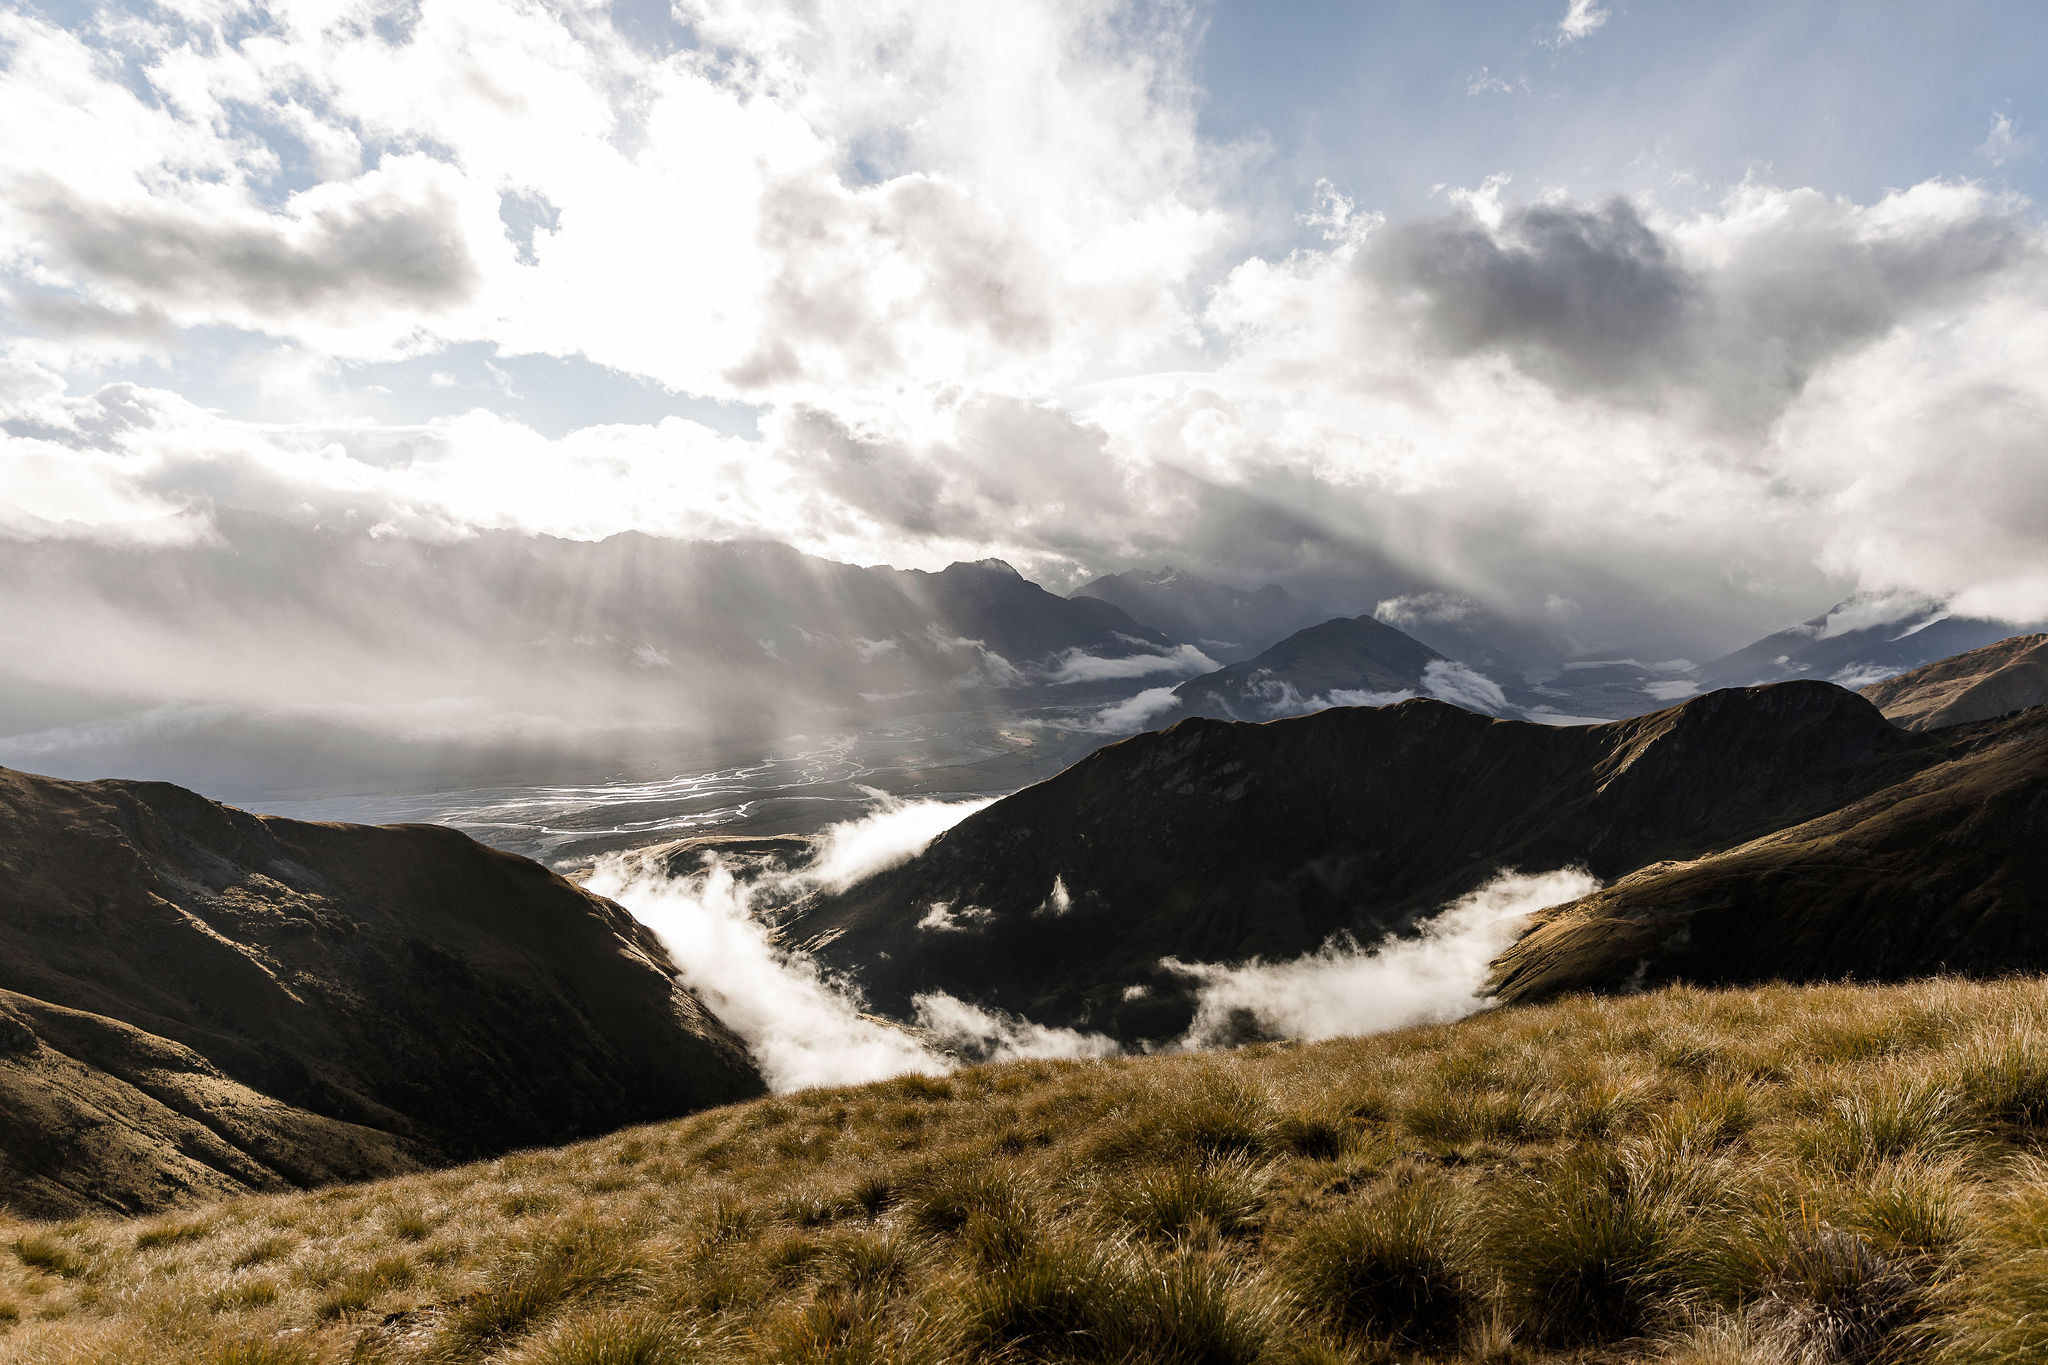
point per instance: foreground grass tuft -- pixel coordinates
(1821, 1176)
(1395, 1267)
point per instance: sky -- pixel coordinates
(1640, 323)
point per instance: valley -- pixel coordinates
(1137, 682)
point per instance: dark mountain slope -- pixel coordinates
(1943, 870)
(1349, 654)
(1228, 623)
(321, 1000)
(1213, 841)
(97, 1114)
(2008, 676)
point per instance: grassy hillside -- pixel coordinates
(1777, 1175)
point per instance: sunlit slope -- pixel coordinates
(1821, 1174)
(2008, 676)
(196, 1001)
(1943, 869)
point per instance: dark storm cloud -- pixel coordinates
(1598, 300)
(879, 478)
(1587, 298)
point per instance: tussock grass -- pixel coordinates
(1590, 1245)
(1186, 1197)
(1396, 1267)
(1821, 1176)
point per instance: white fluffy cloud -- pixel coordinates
(975, 267)
(1019, 195)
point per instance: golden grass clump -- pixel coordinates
(1828, 1175)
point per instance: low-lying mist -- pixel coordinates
(804, 1026)
(808, 1027)
(1343, 989)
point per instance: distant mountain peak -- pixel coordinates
(990, 565)
(1348, 660)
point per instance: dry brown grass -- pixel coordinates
(1820, 1176)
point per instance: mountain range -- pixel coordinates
(197, 1002)
(275, 657)
(271, 658)
(1854, 643)
(1216, 842)
(1369, 660)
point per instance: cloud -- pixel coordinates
(804, 1027)
(779, 224)
(1462, 685)
(986, 284)
(1078, 665)
(1581, 17)
(976, 1034)
(393, 239)
(941, 918)
(1679, 382)
(1342, 990)
(893, 834)
(1872, 611)
(1856, 676)
(1132, 713)
(1591, 298)
(1484, 82)
(1345, 696)
(2005, 142)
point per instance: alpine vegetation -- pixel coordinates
(1828, 1175)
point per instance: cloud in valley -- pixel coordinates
(1434, 976)
(804, 1027)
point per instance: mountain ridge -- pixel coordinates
(1221, 841)
(262, 1002)
(285, 657)
(1999, 678)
